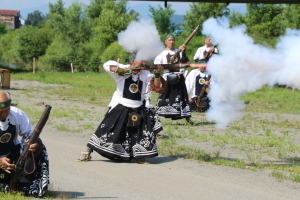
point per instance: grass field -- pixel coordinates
(265, 138)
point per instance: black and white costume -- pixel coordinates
(201, 54)
(173, 103)
(17, 125)
(113, 138)
(194, 83)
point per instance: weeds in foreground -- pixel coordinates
(285, 176)
(12, 196)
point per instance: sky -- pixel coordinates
(27, 6)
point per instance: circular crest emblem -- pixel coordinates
(5, 137)
(133, 88)
(201, 81)
(134, 118)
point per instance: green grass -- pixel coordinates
(92, 87)
(12, 196)
(273, 100)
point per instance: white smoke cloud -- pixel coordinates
(143, 38)
(243, 66)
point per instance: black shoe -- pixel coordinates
(188, 120)
(192, 106)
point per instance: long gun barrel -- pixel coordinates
(168, 66)
(19, 165)
(185, 43)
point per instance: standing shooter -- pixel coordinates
(204, 53)
(173, 103)
(128, 130)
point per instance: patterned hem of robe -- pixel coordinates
(114, 140)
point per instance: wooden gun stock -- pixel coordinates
(19, 165)
(204, 88)
(185, 43)
(210, 53)
(199, 99)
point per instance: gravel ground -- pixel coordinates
(165, 178)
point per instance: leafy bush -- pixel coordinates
(58, 56)
(113, 51)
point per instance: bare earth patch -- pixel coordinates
(72, 121)
(79, 118)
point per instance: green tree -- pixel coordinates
(236, 19)
(200, 12)
(113, 51)
(32, 42)
(264, 22)
(94, 10)
(3, 29)
(7, 50)
(72, 28)
(114, 18)
(291, 16)
(70, 23)
(56, 16)
(58, 56)
(35, 18)
(76, 24)
(162, 19)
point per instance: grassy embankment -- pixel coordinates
(266, 136)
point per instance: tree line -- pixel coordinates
(86, 35)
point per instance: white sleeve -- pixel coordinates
(107, 65)
(197, 55)
(190, 83)
(158, 59)
(23, 127)
(114, 75)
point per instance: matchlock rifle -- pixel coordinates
(19, 165)
(185, 43)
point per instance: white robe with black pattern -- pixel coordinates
(113, 138)
(173, 102)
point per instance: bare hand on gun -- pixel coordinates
(6, 165)
(33, 147)
(182, 48)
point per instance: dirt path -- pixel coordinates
(165, 178)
